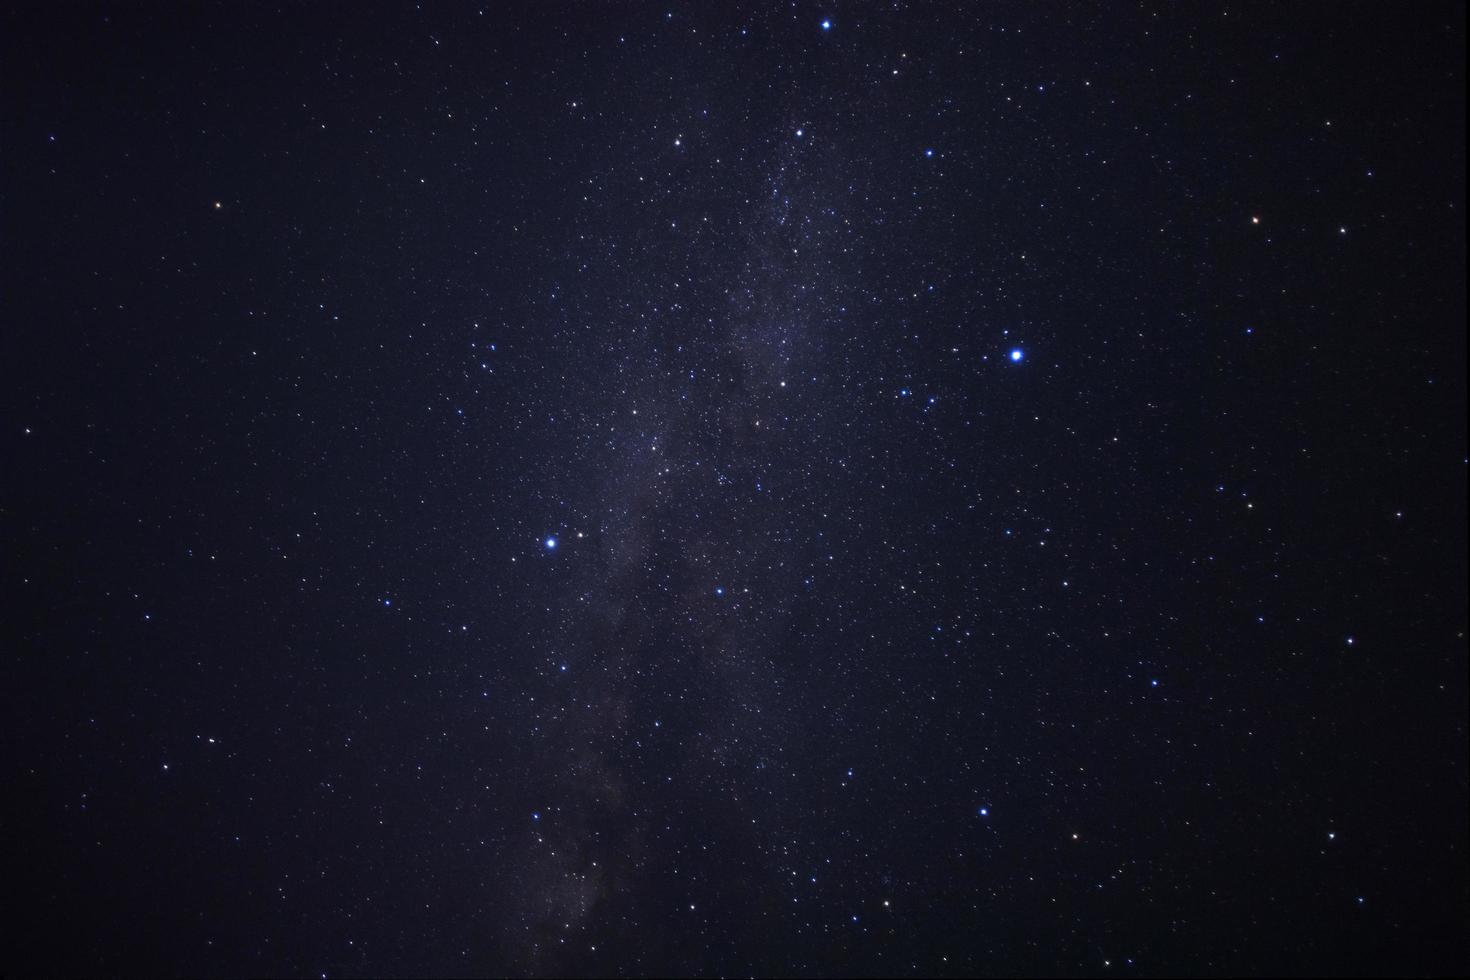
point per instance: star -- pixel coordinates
(550, 543)
(1017, 355)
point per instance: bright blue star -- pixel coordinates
(1016, 355)
(551, 544)
(826, 25)
(928, 153)
(985, 811)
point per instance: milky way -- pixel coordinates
(869, 490)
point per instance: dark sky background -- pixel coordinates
(685, 488)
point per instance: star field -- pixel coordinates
(706, 489)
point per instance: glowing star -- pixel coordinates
(826, 25)
(985, 811)
(550, 544)
(1016, 355)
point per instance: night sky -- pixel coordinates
(693, 489)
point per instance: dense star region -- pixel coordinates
(697, 488)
